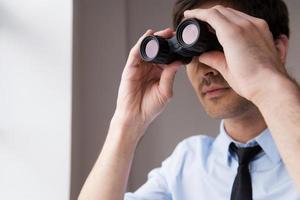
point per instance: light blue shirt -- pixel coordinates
(202, 168)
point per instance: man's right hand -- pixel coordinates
(145, 88)
(144, 91)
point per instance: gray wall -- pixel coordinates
(99, 54)
(104, 32)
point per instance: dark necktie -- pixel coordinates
(242, 188)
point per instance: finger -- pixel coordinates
(167, 79)
(233, 17)
(258, 25)
(236, 15)
(249, 24)
(167, 33)
(147, 33)
(244, 23)
(134, 55)
(262, 25)
(246, 16)
(214, 59)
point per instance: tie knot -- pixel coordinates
(245, 154)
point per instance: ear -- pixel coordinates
(282, 44)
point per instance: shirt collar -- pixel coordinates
(264, 139)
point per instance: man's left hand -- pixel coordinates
(251, 60)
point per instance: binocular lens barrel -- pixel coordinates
(193, 37)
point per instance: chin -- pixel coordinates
(221, 115)
(225, 107)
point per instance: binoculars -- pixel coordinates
(193, 37)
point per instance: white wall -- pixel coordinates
(35, 99)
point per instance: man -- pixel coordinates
(256, 154)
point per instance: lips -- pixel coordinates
(207, 90)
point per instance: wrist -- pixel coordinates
(126, 119)
(127, 130)
(278, 89)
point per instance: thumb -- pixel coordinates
(167, 79)
(214, 59)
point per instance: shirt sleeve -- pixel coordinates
(159, 182)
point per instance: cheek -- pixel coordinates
(195, 82)
(192, 73)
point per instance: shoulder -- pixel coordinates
(196, 147)
(188, 152)
(196, 143)
(190, 149)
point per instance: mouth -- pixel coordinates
(214, 91)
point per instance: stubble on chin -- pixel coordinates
(228, 106)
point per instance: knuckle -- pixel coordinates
(165, 98)
(132, 51)
(217, 7)
(247, 24)
(213, 11)
(262, 24)
(240, 30)
(236, 31)
(169, 95)
(133, 54)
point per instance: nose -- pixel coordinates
(208, 71)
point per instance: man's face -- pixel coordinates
(222, 103)
(214, 93)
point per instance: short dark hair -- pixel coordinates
(274, 12)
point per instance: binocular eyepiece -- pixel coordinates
(193, 37)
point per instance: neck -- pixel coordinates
(246, 126)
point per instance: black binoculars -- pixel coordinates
(193, 37)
